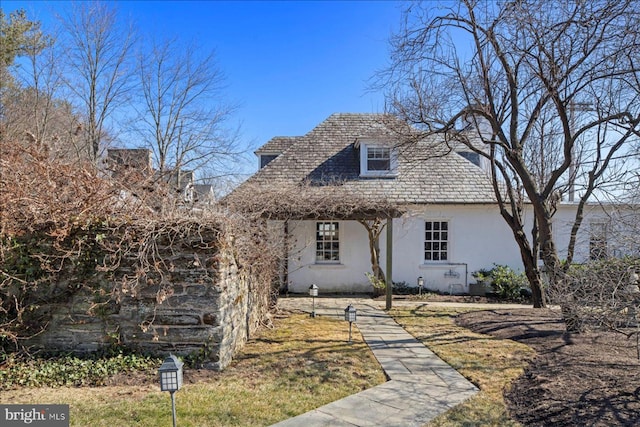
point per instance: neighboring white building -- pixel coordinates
(451, 226)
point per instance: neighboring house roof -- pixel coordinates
(203, 193)
(328, 154)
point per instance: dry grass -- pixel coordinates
(490, 363)
(298, 365)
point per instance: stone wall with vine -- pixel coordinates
(192, 287)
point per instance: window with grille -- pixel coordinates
(378, 159)
(436, 241)
(327, 242)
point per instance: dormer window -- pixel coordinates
(471, 156)
(265, 159)
(377, 160)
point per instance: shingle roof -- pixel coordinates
(277, 144)
(327, 154)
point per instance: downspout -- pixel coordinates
(389, 262)
(284, 273)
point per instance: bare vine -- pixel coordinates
(66, 228)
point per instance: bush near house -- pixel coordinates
(401, 288)
(506, 284)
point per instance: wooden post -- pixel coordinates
(389, 262)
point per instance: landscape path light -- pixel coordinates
(420, 284)
(350, 316)
(313, 291)
(171, 379)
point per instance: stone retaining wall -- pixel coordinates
(199, 303)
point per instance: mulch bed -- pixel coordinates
(587, 379)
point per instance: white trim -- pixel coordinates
(393, 160)
(438, 265)
(328, 265)
(431, 262)
(338, 240)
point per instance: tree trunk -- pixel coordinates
(374, 229)
(556, 274)
(535, 281)
(555, 270)
(529, 260)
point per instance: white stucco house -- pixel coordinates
(447, 225)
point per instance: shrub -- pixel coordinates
(376, 282)
(402, 288)
(482, 275)
(506, 283)
(600, 294)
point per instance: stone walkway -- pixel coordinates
(421, 386)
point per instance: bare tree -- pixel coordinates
(99, 70)
(183, 117)
(42, 80)
(34, 117)
(33, 109)
(516, 73)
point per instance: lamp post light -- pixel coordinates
(171, 379)
(350, 316)
(420, 285)
(313, 291)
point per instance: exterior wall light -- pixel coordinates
(313, 291)
(350, 316)
(171, 379)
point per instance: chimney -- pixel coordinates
(123, 160)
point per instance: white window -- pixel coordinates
(436, 241)
(598, 241)
(327, 242)
(377, 160)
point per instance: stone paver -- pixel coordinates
(421, 386)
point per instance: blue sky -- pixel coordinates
(289, 64)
